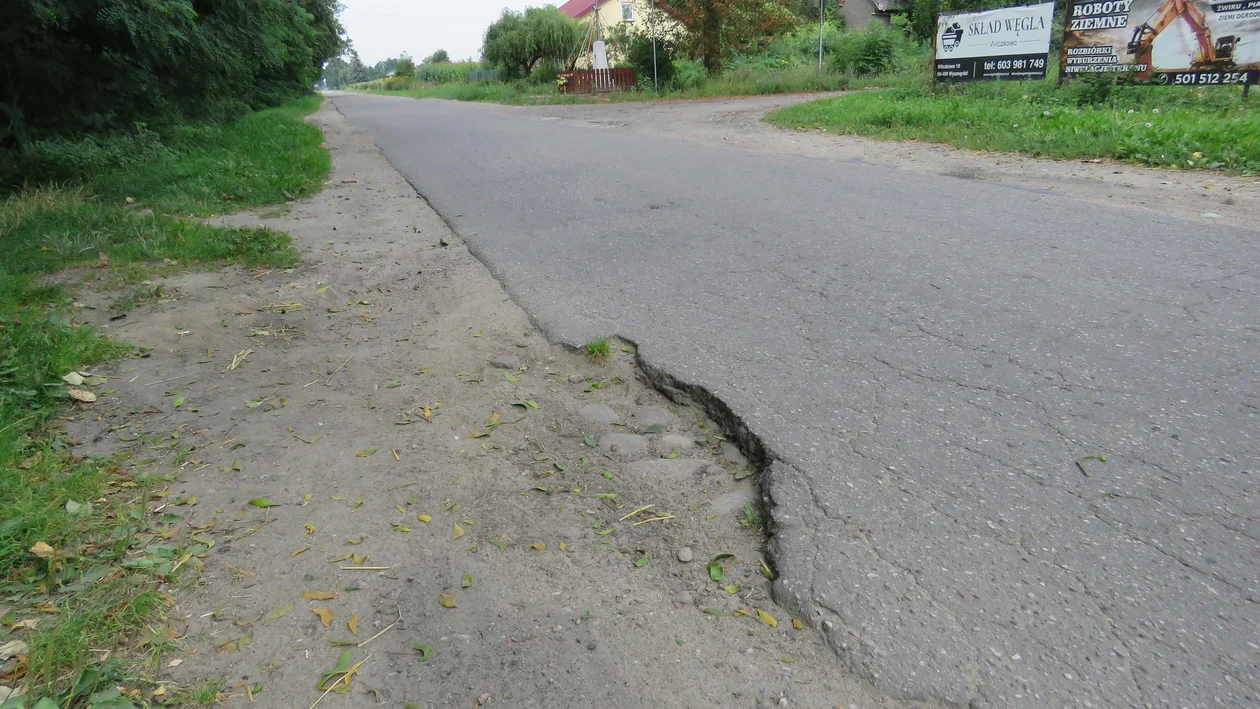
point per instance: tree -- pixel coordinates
(438, 57)
(405, 66)
(720, 29)
(358, 70)
(517, 41)
(70, 68)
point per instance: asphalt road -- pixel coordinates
(926, 359)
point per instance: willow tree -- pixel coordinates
(518, 41)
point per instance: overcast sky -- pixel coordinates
(387, 28)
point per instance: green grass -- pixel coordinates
(1152, 125)
(599, 349)
(92, 510)
(264, 158)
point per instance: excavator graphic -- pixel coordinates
(1209, 56)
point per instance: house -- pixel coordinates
(859, 13)
(616, 16)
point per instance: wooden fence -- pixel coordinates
(590, 81)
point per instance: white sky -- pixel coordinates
(387, 28)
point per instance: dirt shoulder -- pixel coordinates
(425, 448)
(738, 124)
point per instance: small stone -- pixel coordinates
(483, 699)
(683, 599)
(669, 445)
(576, 378)
(624, 443)
(506, 362)
(597, 413)
(652, 415)
(782, 701)
(685, 555)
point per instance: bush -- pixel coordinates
(871, 51)
(405, 67)
(639, 55)
(689, 74)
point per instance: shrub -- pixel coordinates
(870, 51)
(639, 55)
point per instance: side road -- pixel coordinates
(408, 488)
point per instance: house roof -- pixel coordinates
(577, 8)
(581, 8)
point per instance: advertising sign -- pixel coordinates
(1177, 42)
(1010, 43)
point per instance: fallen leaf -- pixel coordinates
(717, 571)
(447, 600)
(343, 557)
(494, 419)
(673, 453)
(767, 618)
(319, 595)
(365, 453)
(538, 547)
(82, 395)
(42, 550)
(510, 377)
(325, 615)
(277, 614)
(299, 551)
(310, 529)
(354, 542)
(716, 611)
(425, 650)
(177, 403)
(357, 504)
(590, 441)
(796, 624)
(343, 664)
(175, 663)
(731, 589)
(401, 528)
(655, 428)
(263, 502)
(467, 581)
(424, 518)
(459, 531)
(642, 560)
(353, 624)
(765, 570)
(74, 379)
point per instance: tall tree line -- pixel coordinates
(81, 67)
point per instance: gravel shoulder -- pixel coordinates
(738, 123)
(425, 447)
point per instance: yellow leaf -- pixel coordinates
(796, 623)
(767, 618)
(564, 546)
(321, 289)
(358, 559)
(355, 542)
(357, 504)
(459, 531)
(343, 557)
(310, 529)
(319, 595)
(339, 498)
(400, 508)
(325, 615)
(42, 550)
(447, 600)
(494, 418)
(353, 624)
(538, 547)
(731, 589)
(365, 453)
(299, 551)
(424, 518)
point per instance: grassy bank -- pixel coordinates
(81, 560)
(1152, 125)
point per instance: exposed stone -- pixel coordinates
(667, 445)
(576, 378)
(683, 599)
(685, 555)
(597, 413)
(506, 362)
(651, 415)
(624, 443)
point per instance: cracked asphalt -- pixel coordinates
(926, 359)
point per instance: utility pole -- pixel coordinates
(822, 19)
(656, 84)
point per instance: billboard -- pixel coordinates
(1176, 42)
(1010, 43)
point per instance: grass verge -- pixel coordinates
(84, 566)
(1176, 127)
